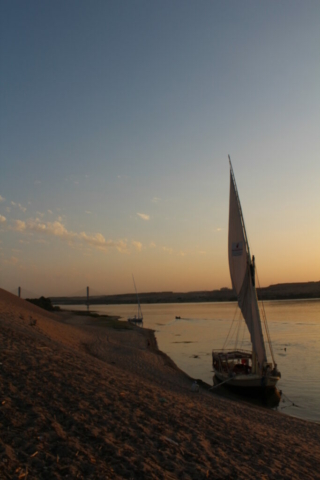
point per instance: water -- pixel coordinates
(294, 327)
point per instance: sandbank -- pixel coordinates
(80, 399)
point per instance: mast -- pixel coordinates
(139, 308)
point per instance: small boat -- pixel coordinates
(178, 318)
(139, 317)
(237, 368)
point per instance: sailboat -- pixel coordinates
(139, 317)
(237, 368)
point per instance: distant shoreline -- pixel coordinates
(283, 291)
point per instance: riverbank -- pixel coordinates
(82, 399)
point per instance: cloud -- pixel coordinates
(2, 199)
(2, 219)
(167, 250)
(11, 261)
(156, 200)
(97, 240)
(144, 216)
(57, 229)
(218, 229)
(88, 212)
(21, 207)
(182, 254)
(152, 245)
(19, 226)
(50, 211)
(137, 245)
(37, 182)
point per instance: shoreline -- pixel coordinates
(291, 291)
(89, 401)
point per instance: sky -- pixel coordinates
(116, 122)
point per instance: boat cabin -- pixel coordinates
(238, 362)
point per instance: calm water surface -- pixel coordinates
(294, 327)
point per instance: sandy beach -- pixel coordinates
(80, 399)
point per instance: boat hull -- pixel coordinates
(247, 382)
(135, 320)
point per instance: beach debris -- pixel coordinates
(195, 387)
(170, 441)
(24, 474)
(34, 454)
(32, 322)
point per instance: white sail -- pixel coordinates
(237, 245)
(241, 274)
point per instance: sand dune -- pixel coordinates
(81, 400)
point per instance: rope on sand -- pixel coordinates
(219, 384)
(288, 399)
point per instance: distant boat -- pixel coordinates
(178, 318)
(139, 317)
(239, 368)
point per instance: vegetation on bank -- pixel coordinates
(44, 303)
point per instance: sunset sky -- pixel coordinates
(116, 121)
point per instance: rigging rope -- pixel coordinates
(243, 332)
(234, 316)
(238, 331)
(264, 317)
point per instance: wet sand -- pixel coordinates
(80, 399)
